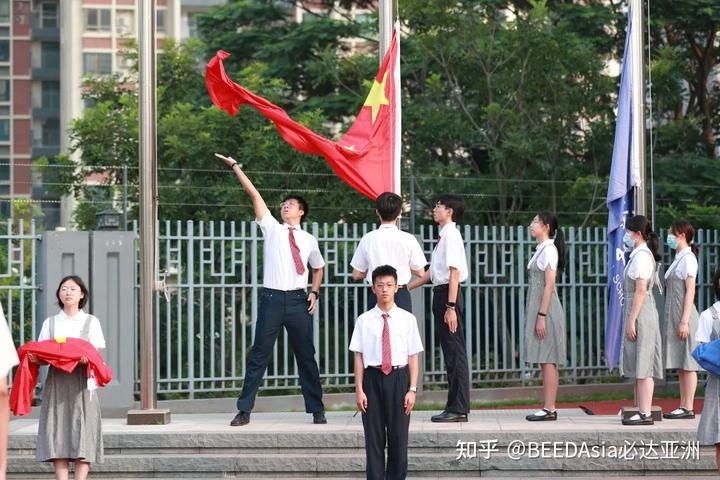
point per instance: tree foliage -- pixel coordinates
(509, 103)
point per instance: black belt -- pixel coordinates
(402, 287)
(395, 367)
(437, 288)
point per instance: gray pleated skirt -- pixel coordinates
(70, 423)
(678, 353)
(709, 424)
(552, 348)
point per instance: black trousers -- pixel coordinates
(454, 351)
(402, 299)
(283, 309)
(385, 421)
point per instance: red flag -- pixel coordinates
(367, 157)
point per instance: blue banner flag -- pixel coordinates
(620, 205)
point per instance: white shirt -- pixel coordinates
(685, 265)
(545, 254)
(705, 324)
(367, 337)
(640, 264)
(8, 354)
(279, 270)
(449, 252)
(71, 327)
(388, 245)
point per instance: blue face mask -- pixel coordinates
(628, 241)
(671, 241)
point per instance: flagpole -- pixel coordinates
(385, 27)
(148, 414)
(638, 105)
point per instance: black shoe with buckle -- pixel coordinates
(242, 418)
(542, 415)
(679, 413)
(639, 419)
(447, 417)
(319, 418)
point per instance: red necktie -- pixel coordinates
(299, 267)
(387, 355)
(437, 240)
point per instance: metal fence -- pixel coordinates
(213, 271)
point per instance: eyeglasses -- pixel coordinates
(439, 205)
(70, 289)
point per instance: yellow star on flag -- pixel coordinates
(377, 97)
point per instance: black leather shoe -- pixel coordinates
(242, 418)
(542, 416)
(639, 419)
(319, 418)
(446, 417)
(679, 413)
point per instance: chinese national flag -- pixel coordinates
(367, 157)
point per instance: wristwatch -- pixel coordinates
(413, 389)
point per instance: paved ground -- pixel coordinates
(498, 420)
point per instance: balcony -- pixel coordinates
(45, 151)
(46, 112)
(51, 72)
(45, 33)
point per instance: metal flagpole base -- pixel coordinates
(155, 416)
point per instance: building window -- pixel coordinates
(4, 130)
(48, 15)
(50, 54)
(192, 25)
(4, 169)
(97, 20)
(98, 63)
(160, 21)
(5, 11)
(4, 90)
(4, 50)
(51, 133)
(50, 94)
(124, 22)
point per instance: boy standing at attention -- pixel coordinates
(386, 342)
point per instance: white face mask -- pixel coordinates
(629, 243)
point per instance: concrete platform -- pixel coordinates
(494, 443)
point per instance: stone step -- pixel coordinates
(289, 446)
(420, 464)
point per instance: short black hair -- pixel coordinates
(388, 206)
(384, 271)
(303, 204)
(83, 289)
(455, 202)
(716, 283)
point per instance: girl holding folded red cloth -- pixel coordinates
(70, 423)
(8, 359)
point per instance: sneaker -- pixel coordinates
(319, 418)
(242, 418)
(679, 413)
(639, 419)
(542, 416)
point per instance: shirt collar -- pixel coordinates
(294, 227)
(388, 225)
(80, 316)
(683, 252)
(449, 226)
(638, 249)
(392, 312)
(545, 243)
